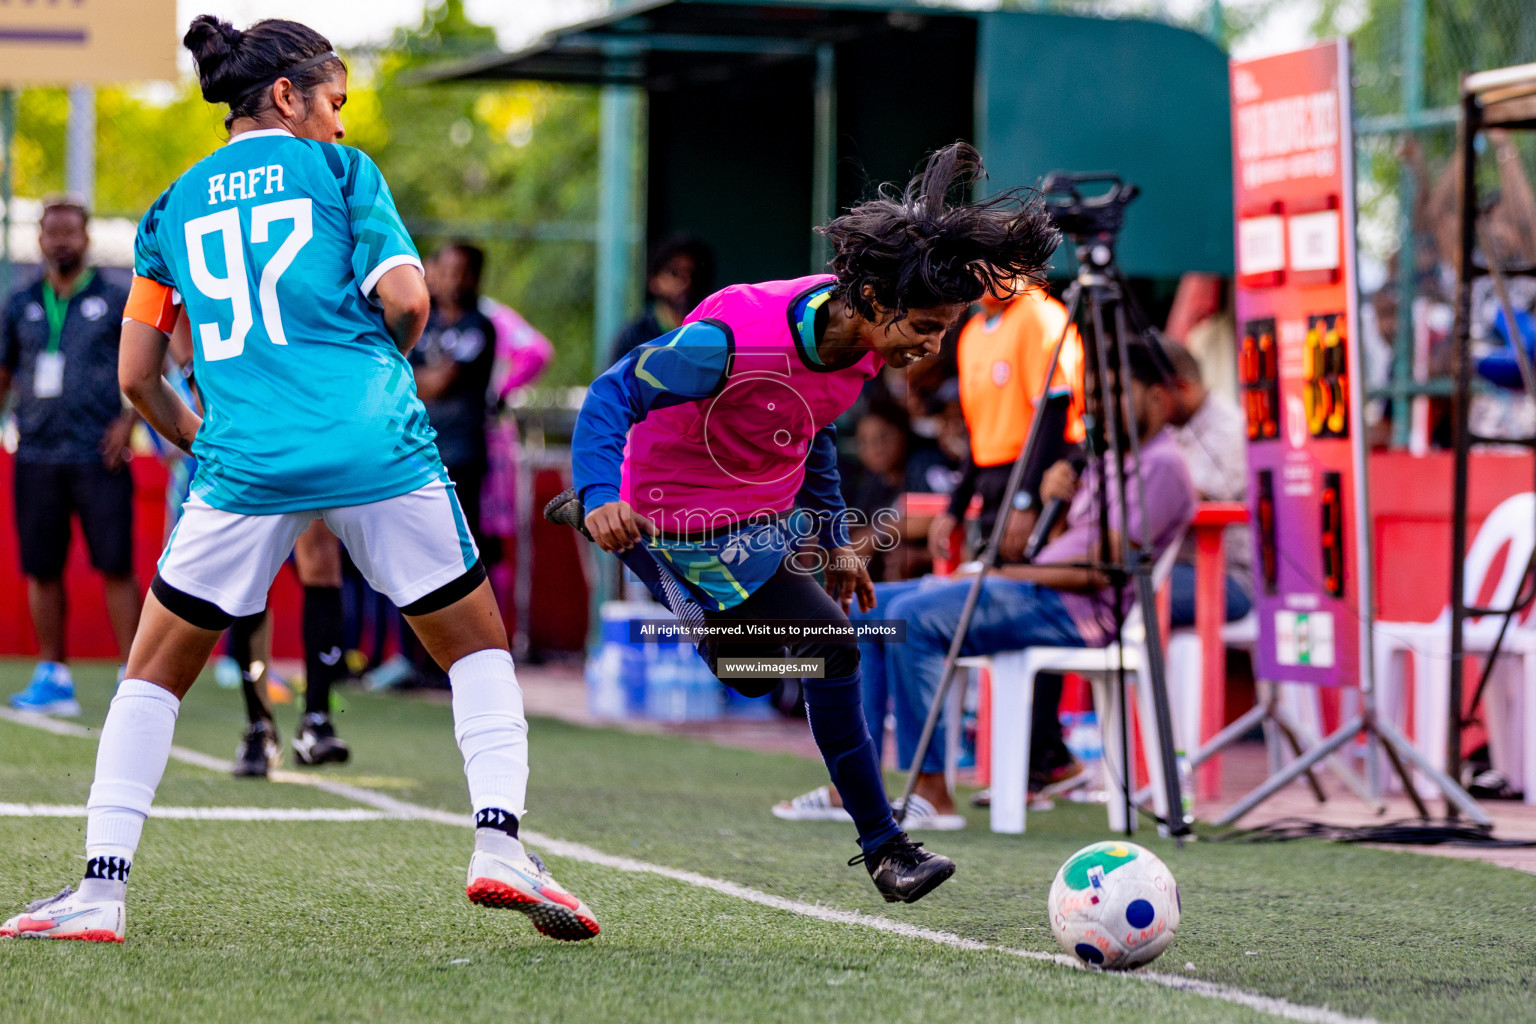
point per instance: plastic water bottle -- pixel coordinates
(704, 696)
(605, 693)
(634, 677)
(666, 693)
(1086, 742)
(1186, 786)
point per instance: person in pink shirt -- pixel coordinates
(707, 460)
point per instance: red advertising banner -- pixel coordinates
(1299, 361)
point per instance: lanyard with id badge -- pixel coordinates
(48, 382)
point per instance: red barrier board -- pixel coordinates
(1299, 361)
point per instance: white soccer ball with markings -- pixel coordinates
(1114, 905)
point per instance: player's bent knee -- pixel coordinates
(195, 610)
(838, 660)
(449, 593)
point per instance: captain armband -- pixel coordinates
(153, 304)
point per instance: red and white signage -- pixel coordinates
(1299, 362)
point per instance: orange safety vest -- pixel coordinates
(1003, 357)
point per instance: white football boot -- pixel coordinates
(513, 879)
(67, 916)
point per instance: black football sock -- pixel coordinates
(322, 647)
(496, 819)
(835, 708)
(257, 707)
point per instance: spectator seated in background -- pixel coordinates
(522, 355)
(58, 350)
(1212, 434)
(879, 531)
(453, 364)
(1002, 356)
(678, 276)
(1057, 601)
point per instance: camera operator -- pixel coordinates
(1056, 601)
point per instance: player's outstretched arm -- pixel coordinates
(681, 366)
(140, 366)
(402, 292)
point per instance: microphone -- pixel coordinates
(1050, 515)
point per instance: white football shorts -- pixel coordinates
(406, 547)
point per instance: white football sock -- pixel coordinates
(488, 722)
(495, 841)
(130, 760)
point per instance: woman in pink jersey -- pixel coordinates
(707, 460)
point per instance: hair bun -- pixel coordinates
(212, 42)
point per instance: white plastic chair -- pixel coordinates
(1013, 697)
(1509, 707)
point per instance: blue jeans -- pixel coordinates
(877, 689)
(1010, 616)
(1182, 596)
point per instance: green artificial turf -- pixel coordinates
(328, 921)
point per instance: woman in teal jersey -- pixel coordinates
(304, 293)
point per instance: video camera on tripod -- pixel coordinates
(1089, 220)
(1102, 307)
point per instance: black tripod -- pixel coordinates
(1100, 294)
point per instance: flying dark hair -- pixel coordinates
(917, 248)
(238, 68)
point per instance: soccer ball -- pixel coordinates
(1114, 905)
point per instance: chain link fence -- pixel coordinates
(1409, 58)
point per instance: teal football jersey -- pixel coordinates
(275, 245)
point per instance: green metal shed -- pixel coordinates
(763, 117)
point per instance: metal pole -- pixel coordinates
(7, 136)
(1216, 23)
(824, 160)
(1460, 401)
(988, 561)
(80, 143)
(617, 235)
(1407, 254)
(618, 148)
(1112, 395)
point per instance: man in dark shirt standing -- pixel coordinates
(58, 348)
(453, 363)
(453, 373)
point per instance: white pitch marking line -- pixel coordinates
(400, 809)
(1263, 1004)
(213, 813)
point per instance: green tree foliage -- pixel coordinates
(1459, 36)
(496, 165)
(142, 143)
